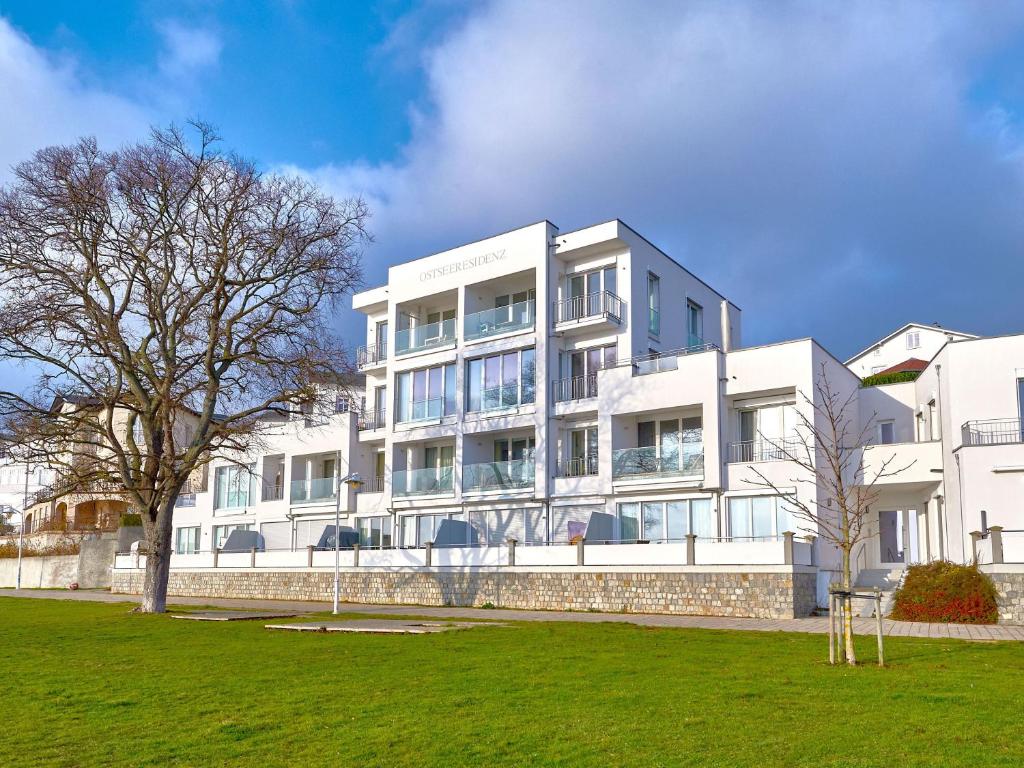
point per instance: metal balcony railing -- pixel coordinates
(645, 462)
(372, 419)
(421, 482)
(598, 304)
(993, 432)
(496, 475)
(273, 491)
(425, 337)
(765, 450)
(577, 466)
(575, 388)
(372, 355)
(516, 317)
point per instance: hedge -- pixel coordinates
(889, 378)
(130, 520)
(944, 592)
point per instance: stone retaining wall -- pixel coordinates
(1010, 586)
(785, 593)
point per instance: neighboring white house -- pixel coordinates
(914, 342)
(17, 481)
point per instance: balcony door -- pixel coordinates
(582, 452)
(380, 339)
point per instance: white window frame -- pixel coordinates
(194, 530)
(913, 339)
(501, 377)
(227, 529)
(776, 509)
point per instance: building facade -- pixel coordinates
(546, 387)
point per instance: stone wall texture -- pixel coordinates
(781, 594)
(1010, 587)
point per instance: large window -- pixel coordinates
(417, 530)
(186, 540)
(234, 486)
(759, 517)
(694, 324)
(428, 393)
(666, 520)
(653, 304)
(375, 531)
(501, 381)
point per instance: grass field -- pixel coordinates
(88, 684)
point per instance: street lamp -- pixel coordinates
(21, 528)
(353, 481)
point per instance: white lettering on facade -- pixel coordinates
(459, 266)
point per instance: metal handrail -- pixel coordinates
(371, 355)
(762, 450)
(577, 466)
(587, 306)
(992, 432)
(575, 388)
(374, 419)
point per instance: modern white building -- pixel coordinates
(544, 386)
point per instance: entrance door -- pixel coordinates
(892, 539)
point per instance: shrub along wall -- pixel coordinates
(946, 592)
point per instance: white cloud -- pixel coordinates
(186, 50)
(826, 152)
(46, 101)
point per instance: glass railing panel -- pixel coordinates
(641, 462)
(425, 336)
(430, 480)
(491, 322)
(496, 475)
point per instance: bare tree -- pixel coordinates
(829, 449)
(172, 296)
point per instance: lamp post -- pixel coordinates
(354, 481)
(21, 528)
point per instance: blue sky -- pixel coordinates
(836, 169)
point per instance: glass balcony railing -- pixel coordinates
(421, 482)
(422, 410)
(425, 337)
(315, 489)
(645, 462)
(491, 322)
(498, 475)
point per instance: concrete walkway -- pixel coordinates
(817, 625)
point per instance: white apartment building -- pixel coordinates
(547, 386)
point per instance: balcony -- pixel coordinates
(423, 482)
(368, 358)
(644, 365)
(498, 475)
(766, 450)
(644, 463)
(422, 410)
(493, 322)
(306, 491)
(993, 432)
(575, 388)
(577, 466)
(369, 420)
(587, 311)
(425, 337)
(272, 492)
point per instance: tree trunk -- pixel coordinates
(851, 654)
(158, 564)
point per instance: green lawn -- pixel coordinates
(90, 684)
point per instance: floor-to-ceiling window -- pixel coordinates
(504, 380)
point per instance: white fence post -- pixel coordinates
(512, 552)
(996, 536)
(691, 549)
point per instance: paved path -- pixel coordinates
(817, 625)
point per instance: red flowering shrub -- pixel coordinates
(946, 592)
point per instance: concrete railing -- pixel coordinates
(784, 550)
